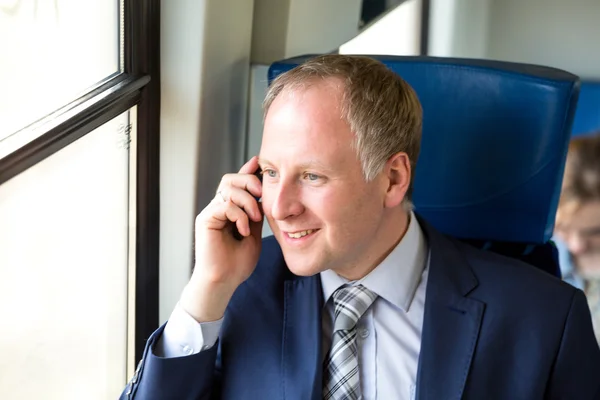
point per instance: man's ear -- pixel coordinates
(397, 172)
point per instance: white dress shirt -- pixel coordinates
(389, 333)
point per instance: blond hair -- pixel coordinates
(383, 111)
(581, 180)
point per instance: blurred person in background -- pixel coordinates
(578, 221)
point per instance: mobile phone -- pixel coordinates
(236, 233)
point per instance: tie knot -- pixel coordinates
(350, 303)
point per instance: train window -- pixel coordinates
(52, 52)
(398, 32)
(79, 196)
(373, 9)
(64, 263)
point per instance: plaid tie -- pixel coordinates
(340, 377)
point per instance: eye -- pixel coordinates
(591, 232)
(270, 173)
(312, 177)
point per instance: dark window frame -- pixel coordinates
(138, 85)
(425, 22)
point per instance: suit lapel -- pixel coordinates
(451, 322)
(301, 344)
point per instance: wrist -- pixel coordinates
(206, 301)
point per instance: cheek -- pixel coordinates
(351, 214)
(268, 196)
(266, 206)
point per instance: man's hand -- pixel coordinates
(222, 261)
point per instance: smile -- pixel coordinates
(298, 235)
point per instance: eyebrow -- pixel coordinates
(263, 161)
(305, 165)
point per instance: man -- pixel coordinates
(355, 296)
(578, 221)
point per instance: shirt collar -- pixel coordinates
(397, 277)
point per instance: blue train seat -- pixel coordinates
(495, 137)
(587, 116)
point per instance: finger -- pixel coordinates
(250, 166)
(256, 228)
(219, 198)
(245, 201)
(225, 213)
(242, 223)
(247, 182)
(243, 227)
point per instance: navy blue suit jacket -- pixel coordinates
(494, 328)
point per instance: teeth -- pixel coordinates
(298, 235)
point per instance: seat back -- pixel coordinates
(587, 116)
(495, 137)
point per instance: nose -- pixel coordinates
(286, 201)
(576, 243)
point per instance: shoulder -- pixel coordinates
(513, 283)
(491, 265)
(524, 306)
(491, 274)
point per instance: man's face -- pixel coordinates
(321, 210)
(581, 233)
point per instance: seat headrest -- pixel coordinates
(587, 116)
(495, 137)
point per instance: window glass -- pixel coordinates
(64, 257)
(51, 53)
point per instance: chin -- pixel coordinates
(302, 266)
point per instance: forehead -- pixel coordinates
(307, 119)
(319, 98)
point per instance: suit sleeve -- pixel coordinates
(190, 377)
(576, 371)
